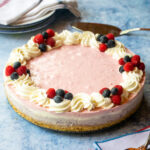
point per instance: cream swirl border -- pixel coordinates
(26, 88)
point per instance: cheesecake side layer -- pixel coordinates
(70, 121)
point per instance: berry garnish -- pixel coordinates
(106, 93)
(28, 72)
(50, 32)
(14, 76)
(50, 41)
(135, 59)
(116, 99)
(141, 66)
(51, 93)
(38, 39)
(58, 99)
(127, 59)
(17, 64)
(102, 47)
(68, 96)
(60, 92)
(45, 35)
(42, 47)
(103, 39)
(22, 70)
(121, 70)
(128, 66)
(102, 90)
(121, 61)
(66, 91)
(111, 43)
(120, 89)
(9, 70)
(114, 91)
(98, 37)
(110, 36)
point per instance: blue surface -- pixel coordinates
(18, 134)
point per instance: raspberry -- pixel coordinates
(66, 92)
(128, 66)
(141, 66)
(51, 93)
(22, 70)
(110, 36)
(135, 60)
(103, 89)
(116, 99)
(50, 41)
(102, 47)
(9, 70)
(50, 32)
(120, 89)
(121, 61)
(38, 39)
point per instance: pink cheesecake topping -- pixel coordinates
(76, 69)
(75, 76)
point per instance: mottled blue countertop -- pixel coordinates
(18, 134)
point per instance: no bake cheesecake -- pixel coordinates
(73, 81)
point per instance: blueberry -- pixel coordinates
(114, 91)
(106, 93)
(28, 72)
(103, 39)
(111, 43)
(60, 92)
(17, 64)
(14, 76)
(42, 47)
(98, 37)
(45, 35)
(68, 96)
(121, 70)
(127, 59)
(58, 99)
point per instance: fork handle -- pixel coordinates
(146, 29)
(134, 29)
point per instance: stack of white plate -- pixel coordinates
(39, 17)
(29, 26)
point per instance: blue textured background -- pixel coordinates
(18, 134)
